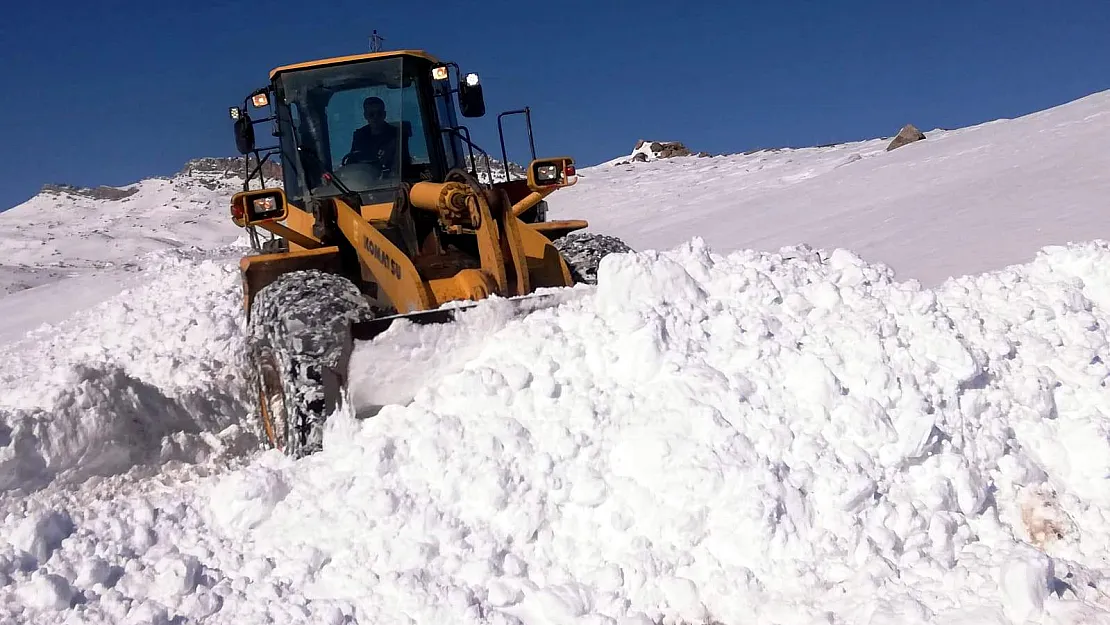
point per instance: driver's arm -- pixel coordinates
(355, 138)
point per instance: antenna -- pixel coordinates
(376, 41)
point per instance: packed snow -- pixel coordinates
(711, 434)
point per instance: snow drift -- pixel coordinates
(138, 378)
(746, 438)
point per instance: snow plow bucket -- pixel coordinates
(393, 358)
(370, 329)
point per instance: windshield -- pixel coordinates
(363, 121)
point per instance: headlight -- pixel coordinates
(264, 204)
(547, 173)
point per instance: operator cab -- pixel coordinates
(371, 121)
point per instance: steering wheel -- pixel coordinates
(359, 156)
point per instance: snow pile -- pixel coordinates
(147, 375)
(751, 438)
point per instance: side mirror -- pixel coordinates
(551, 173)
(249, 208)
(471, 101)
(244, 134)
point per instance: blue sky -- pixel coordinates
(112, 91)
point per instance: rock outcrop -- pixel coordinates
(654, 150)
(96, 193)
(907, 135)
(662, 149)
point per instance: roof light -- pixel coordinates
(439, 72)
(260, 99)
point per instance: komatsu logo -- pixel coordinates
(378, 253)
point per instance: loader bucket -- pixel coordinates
(389, 369)
(371, 329)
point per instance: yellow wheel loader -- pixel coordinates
(381, 214)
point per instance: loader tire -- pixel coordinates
(583, 252)
(300, 342)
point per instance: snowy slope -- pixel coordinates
(704, 437)
(962, 201)
(69, 248)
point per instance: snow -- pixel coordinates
(66, 250)
(962, 201)
(721, 431)
(141, 375)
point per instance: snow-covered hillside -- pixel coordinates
(713, 434)
(961, 201)
(68, 248)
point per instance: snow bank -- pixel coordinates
(149, 375)
(751, 438)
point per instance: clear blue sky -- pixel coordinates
(111, 91)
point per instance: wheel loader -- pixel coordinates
(381, 214)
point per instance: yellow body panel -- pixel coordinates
(376, 212)
(353, 57)
(301, 221)
(293, 237)
(556, 229)
(546, 266)
(393, 271)
(530, 200)
(514, 258)
(467, 284)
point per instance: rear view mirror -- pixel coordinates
(249, 208)
(244, 134)
(471, 101)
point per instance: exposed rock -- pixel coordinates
(210, 172)
(219, 165)
(98, 193)
(669, 149)
(651, 150)
(228, 167)
(907, 135)
(583, 252)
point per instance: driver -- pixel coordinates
(377, 140)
